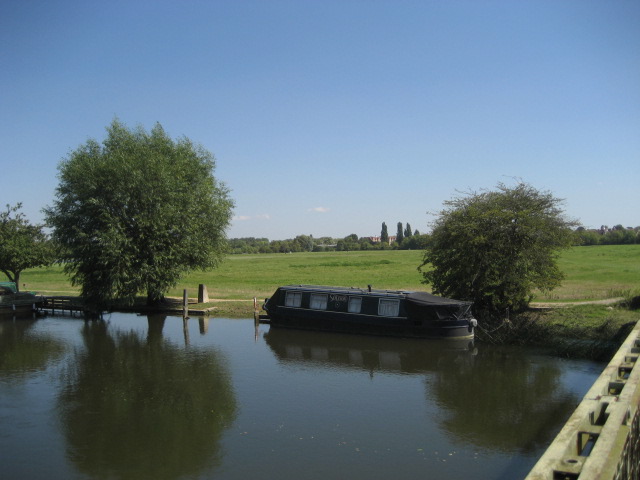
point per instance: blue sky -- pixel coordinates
(330, 117)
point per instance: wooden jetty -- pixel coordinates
(62, 304)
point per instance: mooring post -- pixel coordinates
(185, 304)
(256, 313)
(203, 294)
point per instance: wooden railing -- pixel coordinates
(63, 304)
(601, 440)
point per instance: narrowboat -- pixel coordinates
(14, 303)
(370, 311)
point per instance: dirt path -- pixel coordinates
(607, 301)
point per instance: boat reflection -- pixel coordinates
(487, 395)
(370, 353)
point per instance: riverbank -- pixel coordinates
(592, 330)
(213, 308)
(594, 275)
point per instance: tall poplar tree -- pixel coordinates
(384, 234)
(400, 233)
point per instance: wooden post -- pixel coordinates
(185, 304)
(203, 294)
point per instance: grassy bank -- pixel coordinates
(593, 331)
(593, 273)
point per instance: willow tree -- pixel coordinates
(137, 212)
(496, 247)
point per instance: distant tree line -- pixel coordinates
(617, 235)
(407, 240)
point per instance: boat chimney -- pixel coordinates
(369, 287)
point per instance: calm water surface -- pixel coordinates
(139, 397)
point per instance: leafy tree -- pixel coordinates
(415, 242)
(384, 234)
(407, 231)
(304, 243)
(496, 247)
(400, 234)
(351, 238)
(136, 212)
(587, 237)
(349, 243)
(617, 236)
(22, 245)
(366, 243)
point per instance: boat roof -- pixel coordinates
(9, 286)
(421, 298)
(424, 298)
(345, 290)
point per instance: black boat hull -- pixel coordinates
(400, 328)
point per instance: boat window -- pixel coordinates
(388, 308)
(318, 301)
(355, 304)
(293, 299)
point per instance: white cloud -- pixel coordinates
(244, 218)
(319, 209)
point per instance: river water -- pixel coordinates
(137, 397)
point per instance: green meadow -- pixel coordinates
(588, 325)
(592, 273)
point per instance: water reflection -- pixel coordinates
(141, 397)
(23, 351)
(505, 400)
(369, 353)
(499, 398)
(136, 407)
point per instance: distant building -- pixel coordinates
(392, 238)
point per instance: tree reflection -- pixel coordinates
(144, 408)
(491, 397)
(23, 351)
(503, 399)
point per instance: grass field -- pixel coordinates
(592, 273)
(595, 273)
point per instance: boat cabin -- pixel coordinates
(357, 310)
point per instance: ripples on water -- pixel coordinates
(139, 397)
